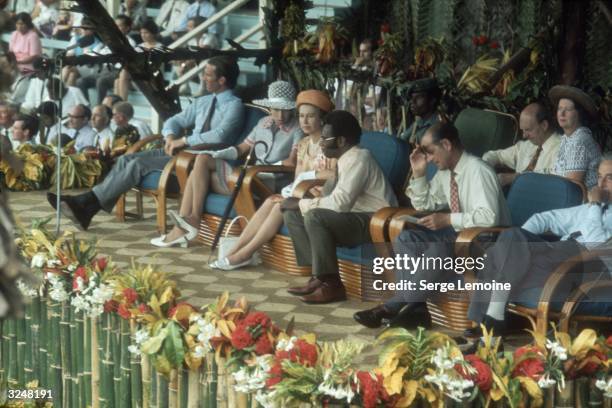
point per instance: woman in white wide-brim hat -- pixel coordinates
(312, 105)
(281, 133)
(579, 154)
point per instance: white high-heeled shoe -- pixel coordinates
(192, 231)
(160, 242)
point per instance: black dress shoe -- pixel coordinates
(52, 199)
(373, 318)
(498, 327)
(411, 316)
(80, 214)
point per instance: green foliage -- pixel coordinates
(598, 58)
(432, 19)
(527, 20)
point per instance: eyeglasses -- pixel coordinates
(327, 139)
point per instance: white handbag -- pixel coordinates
(227, 242)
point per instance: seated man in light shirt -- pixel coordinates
(216, 119)
(524, 259)
(537, 152)
(465, 185)
(80, 131)
(25, 128)
(340, 218)
(100, 120)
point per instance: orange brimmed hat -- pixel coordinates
(315, 98)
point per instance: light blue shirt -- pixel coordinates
(225, 125)
(204, 9)
(86, 137)
(593, 223)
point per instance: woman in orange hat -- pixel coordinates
(312, 105)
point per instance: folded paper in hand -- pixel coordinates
(287, 191)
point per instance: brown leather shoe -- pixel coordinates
(310, 287)
(327, 292)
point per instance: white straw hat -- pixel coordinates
(281, 95)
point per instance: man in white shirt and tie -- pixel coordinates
(523, 258)
(465, 185)
(100, 120)
(537, 152)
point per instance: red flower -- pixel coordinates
(371, 389)
(595, 362)
(110, 306)
(81, 272)
(532, 367)
(494, 45)
(130, 295)
(609, 341)
(275, 375)
(475, 40)
(307, 352)
(123, 311)
(482, 40)
(483, 377)
(385, 28)
(263, 345)
(101, 263)
(143, 308)
(257, 318)
(241, 338)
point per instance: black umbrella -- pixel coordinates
(232, 199)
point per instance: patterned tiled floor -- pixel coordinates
(265, 289)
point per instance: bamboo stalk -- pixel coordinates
(146, 380)
(12, 362)
(35, 344)
(3, 356)
(173, 399)
(87, 366)
(21, 345)
(67, 355)
(74, 351)
(136, 377)
(95, 364)
(55, 351)
(153, 375)
(126, 370)
(80, 324)
(107, 363)
(28, 371)
(231, 392)
(204, 383)
(42, 347)
(193, 391)
(162, 391)
(212, 380)
(116, 350)
(183, 387)
(221, 383)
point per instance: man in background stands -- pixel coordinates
(123, 116)
(424, 100)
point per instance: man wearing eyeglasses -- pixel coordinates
(80, 131)
(340, 218)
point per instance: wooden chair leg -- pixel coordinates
(120, 208)
(139, 207)
(161, 214)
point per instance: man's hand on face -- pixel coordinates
(435, 221)
(598, 195)
(418, 162)
(173, 145)
(290, 203)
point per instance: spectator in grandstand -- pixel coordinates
(48, 118)
(15, 7)
(136, 10)
(123, 115)
(169, 17)
(80, 131)
(45, 15)
(63, 26)
(7, 117)
(70, 95)
(201, 8)
(100, 123)
(105, 79)
(424, 99)
(217, 120)
(87, 43)
(25, 129)
(111, 99)
(148, 33)
(25, 46)
(181, 67)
